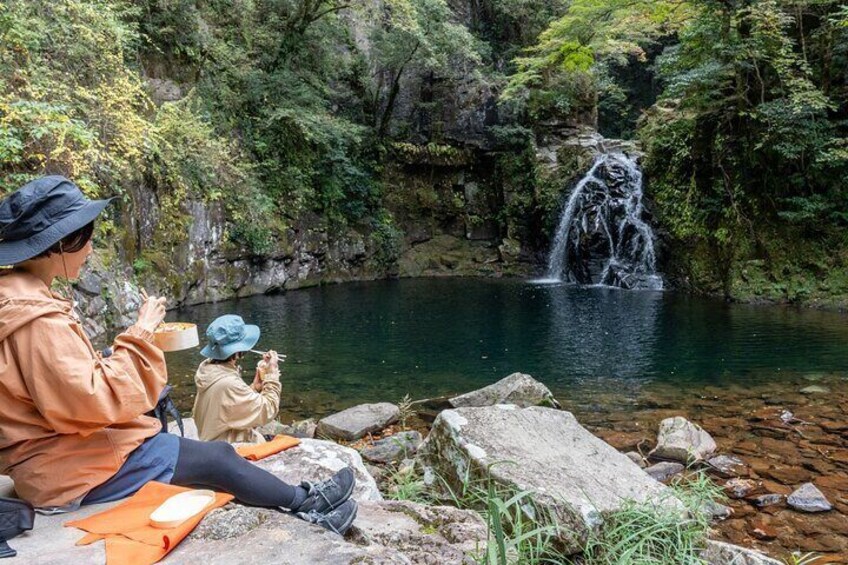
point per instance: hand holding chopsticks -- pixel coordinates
(152, 311)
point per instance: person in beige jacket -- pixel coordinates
(226, 408)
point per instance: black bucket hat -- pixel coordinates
(39, 214)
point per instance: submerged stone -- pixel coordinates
(740, 488)
(572, 476)
(716, 511)
(518, 388)
(681, 440)
(807, 498)
(356, 422)
(761, 528)
(815, 389)
(727, 465)
(770, 499)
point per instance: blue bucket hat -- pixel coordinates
(229, 335)
(39, 214)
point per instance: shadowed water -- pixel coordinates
(376, 341)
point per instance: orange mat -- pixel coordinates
(130, 539)
(267, 449)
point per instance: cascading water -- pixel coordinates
(602, 238)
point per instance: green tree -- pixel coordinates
(419, 35)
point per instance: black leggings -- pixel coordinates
(216, 465)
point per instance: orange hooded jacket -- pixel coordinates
(68, 418)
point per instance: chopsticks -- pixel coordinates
(280, 355)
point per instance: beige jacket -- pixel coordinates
(68, 418)
(228, 409)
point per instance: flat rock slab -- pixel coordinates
(807, 498)
(233, 535)
(356, 422)
(50, 543)
(681, 440)
(315, 460)
(572, 475)
(518, 388)
(720, 553)
(385, 533)
(393, 448)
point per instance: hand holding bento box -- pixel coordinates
(170, 336)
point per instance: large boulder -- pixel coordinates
(720, 553)
(315, 460)
(573, 477)
(681, 440)
(393, 448)
(518, 388)
(354, 423)
(426, 535)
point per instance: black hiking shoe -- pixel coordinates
(327, 495)
(339, 520)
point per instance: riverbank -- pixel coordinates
(777, 438)
(782, 436)
(785, 435)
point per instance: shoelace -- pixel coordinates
(321, 487)
(315, 517)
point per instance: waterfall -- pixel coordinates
(602, 238)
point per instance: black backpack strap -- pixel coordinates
(172, 411)
(165, 407)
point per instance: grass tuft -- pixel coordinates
(653, 534)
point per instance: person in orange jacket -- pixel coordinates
(72, 429)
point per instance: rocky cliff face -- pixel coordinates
(456, 211)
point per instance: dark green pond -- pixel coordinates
(377, 341)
